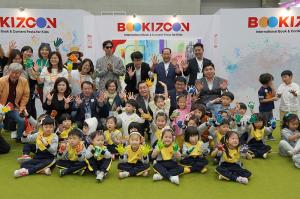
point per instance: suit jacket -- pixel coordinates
(193, 69)
(96, 110)
(131, 82)
(207, 95)
(141, 103)
(168, 79)
(22, 92)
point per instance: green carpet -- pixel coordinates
(275, 177)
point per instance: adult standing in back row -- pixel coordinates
(109, 67)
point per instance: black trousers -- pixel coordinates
(4, 146)
(70, 166)
(100, 165)
(232, 171)
(258, 148)
(168, 168)
(133, 169)
(36, 165)
(196, 164)
(29, 148)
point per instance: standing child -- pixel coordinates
(288, 91)
(71, 156)
(194, 151)
(257, 131)
(230, 167)
(46, 142)
(97, 155)
(290, 135)
(113, 136)
(267, 96)
(179, 115)
(166, 152)
(134, 160)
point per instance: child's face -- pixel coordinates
(181, 103)
(270, 83)
(85, 130)
(160, 103)
(67, 124)
(129, 108)
(287, 79)
(233, 140)
(225, 100)
(293, 125)
(259, 124)
(194, 139)
(110, 124)
(135, 141)
(74, 140)
(167, 138)
(224, 128)
(161, 122)
(98, 140)
(198, 113)
(242, 111)
(48, 129)
(192, 123)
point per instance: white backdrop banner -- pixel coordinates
(255, 41)
(34, 26)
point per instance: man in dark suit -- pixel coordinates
(136, 71)
(195, 65)
(166, 71)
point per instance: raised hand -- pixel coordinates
(238, 118)
(49, 97)
(120, 148)
(62, 147)
(78, 100)
(184, 64)
(251, 105)
(160, 145)
(175, 147)
(198, 85)
(224, 85)
(273, 123)
(68, 99)
(122, 95)
(219, 119)
(181, 124)
(174, 61)
(130, 72)
(191, 90)
(154, 60)
(146, 149)
(252, 119)
(58, 42)
(101, 98)
(162, 84)
(12, 45)
(98, 151)
(130, 95)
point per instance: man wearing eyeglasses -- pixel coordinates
(109, 67)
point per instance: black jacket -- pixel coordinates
(193, 69)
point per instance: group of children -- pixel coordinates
(180, 143)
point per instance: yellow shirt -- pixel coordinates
(219, 137)
(133, 156)
(167, 152)
(39, 138)
(109, 135)
(235, 156)
(100, 157)
(197, 150)
(72, 151)
(64, 134)
(258, 134)
(158, 134)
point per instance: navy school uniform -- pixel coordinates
(98, 161)
(231, 167)
(256, 142)
(194, 159)
(133, 161)
(165, 165)
(72, 161)
(44, 155)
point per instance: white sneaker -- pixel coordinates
(21, 172)
(265, 156)
(13, 134)
(123, 174)
(157, 177)
(297, 165)
(174, 179)
(47, 171)
(100, 176)
(242, 180)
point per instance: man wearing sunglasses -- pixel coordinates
(109, 66)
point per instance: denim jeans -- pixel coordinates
(15, 115)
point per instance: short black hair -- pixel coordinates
(180, 79)
(135, 125)
(95, 133)
(48, 121)
(198, 45)
(107, 42)
(225, 121)
(132, 102)
(228, 94)
(158, 96)
(113, 118)
(287, 72)
(265, 78)
(87, 82)
(189, 132)
(141, 82)
(162, 51)
(136, 55)
(200, 107)
(242, 106)
(65, 116)
(25, 48)
(161, 114)
(76, 132)
(207, 64)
